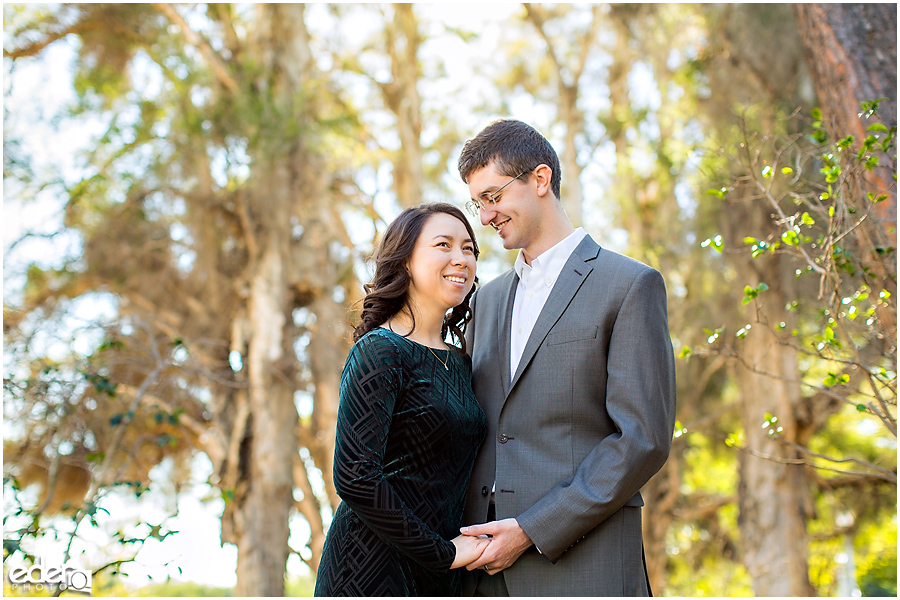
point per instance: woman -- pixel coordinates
(408, 424)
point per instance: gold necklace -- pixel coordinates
(443, 362)
(446, 368)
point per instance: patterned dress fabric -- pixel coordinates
(407, 434)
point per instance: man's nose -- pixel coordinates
(487, 214)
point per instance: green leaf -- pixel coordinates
(879, 198)
(816, 114)
(787, 170)
(685, 352)
(762, 286)
(767, 171)
(749, 240)
(806, 219)
(10, 547)
(861, 407)
(715, 242)
(829, 334)
(95, 457)
(713, 335)
(877, 127)
(830, 211)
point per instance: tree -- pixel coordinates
(214, 218)
(774, 456)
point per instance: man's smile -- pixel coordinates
(498, 226)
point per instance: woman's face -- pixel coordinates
(442, 265)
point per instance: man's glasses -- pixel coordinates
(489, 199)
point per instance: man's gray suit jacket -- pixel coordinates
(586, 420)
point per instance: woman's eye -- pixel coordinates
(444, 244)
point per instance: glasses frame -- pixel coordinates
(489, 198)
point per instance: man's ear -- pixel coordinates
(542, 176)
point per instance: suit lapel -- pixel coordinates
(570, 279)
(504, 327)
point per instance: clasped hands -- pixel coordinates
(493, 546)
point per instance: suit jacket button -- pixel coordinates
(484, 491)
(503, 438)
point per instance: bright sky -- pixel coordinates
(39, 90)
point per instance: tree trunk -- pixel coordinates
(571, 192)
(402, 98)
(774, 497)
(263, 519)
(284, 60)
(327, 353)
(660, 496)
(851, 50)
(567, 78)
(617, 123)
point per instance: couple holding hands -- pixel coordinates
(518, 451)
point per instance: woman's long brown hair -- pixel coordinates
(388, 293)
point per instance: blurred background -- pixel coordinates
(191, 194)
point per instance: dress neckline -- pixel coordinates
(445, 348)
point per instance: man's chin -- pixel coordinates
(509, 242)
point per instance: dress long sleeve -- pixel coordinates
(371, 387)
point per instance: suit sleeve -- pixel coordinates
(371, 385)
(640, 399)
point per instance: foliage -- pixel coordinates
(876, 548)
(843, 315)
(845, 320)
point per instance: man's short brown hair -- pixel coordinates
(514, 147)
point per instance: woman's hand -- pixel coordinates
(468, 549)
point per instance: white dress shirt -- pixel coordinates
(535, 283)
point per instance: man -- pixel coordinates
(573, 366)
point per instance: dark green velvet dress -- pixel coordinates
(407, 434)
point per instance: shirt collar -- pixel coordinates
(550, 262)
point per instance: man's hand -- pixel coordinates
(508, 543)
(468, 548)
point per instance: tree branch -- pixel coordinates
(537, 19)
(885, 473)
(887, 476)
(216, 62)
(586, 41)
(36, 47)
